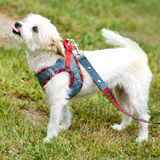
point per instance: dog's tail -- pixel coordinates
(117, 40)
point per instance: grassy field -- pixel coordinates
(24, 112)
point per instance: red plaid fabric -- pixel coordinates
(43, 70)
(112, 99)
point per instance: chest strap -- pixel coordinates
(76, 78)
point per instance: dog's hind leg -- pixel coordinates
(141, 109)
(123, 100)
(143, 132)
(66, 118)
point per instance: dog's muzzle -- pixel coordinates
(15, 28)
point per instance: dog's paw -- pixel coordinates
(118, 126)
(64, 126)
(47, 140)
(140, 139)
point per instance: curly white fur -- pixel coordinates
(124, 68)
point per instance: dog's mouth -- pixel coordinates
(15, 30)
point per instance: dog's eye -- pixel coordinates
(35, 29)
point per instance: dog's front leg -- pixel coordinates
(66, 118)
(54, 122)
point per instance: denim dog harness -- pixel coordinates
(69, 65)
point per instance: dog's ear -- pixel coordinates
(57, 48)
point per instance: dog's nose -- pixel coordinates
(17, 25)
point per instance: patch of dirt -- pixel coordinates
(33, 116)
(5, 29)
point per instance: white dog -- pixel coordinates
(124, 69)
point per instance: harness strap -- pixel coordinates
(104, 88)
(51, 74)
(69, 49)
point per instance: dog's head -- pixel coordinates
(37, 33)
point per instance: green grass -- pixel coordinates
(90, 136)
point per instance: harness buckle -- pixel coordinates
(72, 42)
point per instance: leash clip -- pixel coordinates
(72, 42)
